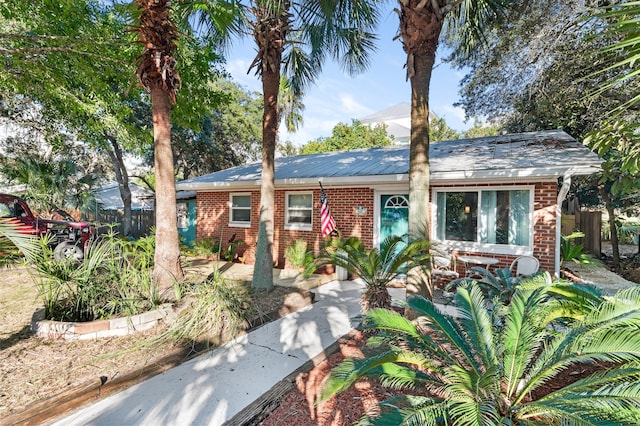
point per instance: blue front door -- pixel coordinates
(187, 221)
(394, 215)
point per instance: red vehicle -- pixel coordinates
(69, 239)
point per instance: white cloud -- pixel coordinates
(454, 116)
(351, 106)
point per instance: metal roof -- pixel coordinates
(523, 156)
(109, 197)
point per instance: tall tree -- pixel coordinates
(421, 24)
(156, 72)
(563, 80)
(293, 38)
(344, 136)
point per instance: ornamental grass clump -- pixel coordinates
(508, 366)
(215, 312)
(298, 257)
(114, 279)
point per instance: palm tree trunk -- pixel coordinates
(167, 267)
(419, 148)
(263, 268)
(419, 222)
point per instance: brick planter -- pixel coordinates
(95, 329)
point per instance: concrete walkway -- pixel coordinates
(212, 388)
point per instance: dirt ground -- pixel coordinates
(33, 369)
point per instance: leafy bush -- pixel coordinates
(112, 280)
(502, 285)
(570, 251)
(233, 244)
(299, 257)
(206, 247)
(490, 368)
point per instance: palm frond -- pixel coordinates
(445, 326)
(409, 410)
(384, 319)
(16, 238)
(476, 322)
(520, 338)
(612, 403)
(350, 370)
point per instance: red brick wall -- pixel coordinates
(213, 221)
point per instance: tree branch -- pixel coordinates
(37, 50)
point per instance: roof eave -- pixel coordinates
(547, 174)
(519, 174)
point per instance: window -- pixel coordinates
(299, 210)
(240, 210)
(495, 217)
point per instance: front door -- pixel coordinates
(394, 215)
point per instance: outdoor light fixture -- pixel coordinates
(467, 209)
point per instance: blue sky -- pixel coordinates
(337, 97)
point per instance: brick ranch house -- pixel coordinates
(493, 196)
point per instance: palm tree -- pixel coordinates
(290, 105)
(156, 72)
(486, 367)
(377, 267)
(421, 23)
(282, 30)
(624, 53)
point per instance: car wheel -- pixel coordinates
(68, 251)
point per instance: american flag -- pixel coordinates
(327, 223)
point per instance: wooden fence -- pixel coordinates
(590, 224)
(141, 221)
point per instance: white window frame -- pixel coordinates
(470, 246)
(238, 223)
(297, 226)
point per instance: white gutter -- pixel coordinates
(562, 194)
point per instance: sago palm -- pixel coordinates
(377, 267)
(477, 369)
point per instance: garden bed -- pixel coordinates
(37, 374)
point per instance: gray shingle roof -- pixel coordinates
(537, 154)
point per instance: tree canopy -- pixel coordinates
(541, 70)
(345, 136)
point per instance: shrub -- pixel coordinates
(206, 247)
(489, 368)
(377, 267)
(502, 285)
(570, 251)
(216, 312)
(112, 280)
(233, 244)
(300, 258)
